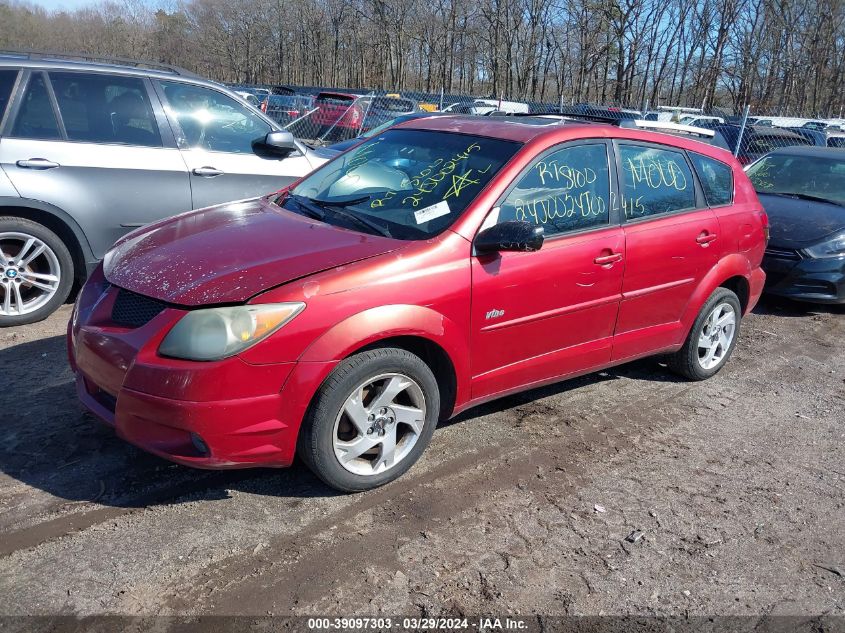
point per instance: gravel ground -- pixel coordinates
(731, 491)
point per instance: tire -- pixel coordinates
(689, 361)
(330, 441)
(51, 267)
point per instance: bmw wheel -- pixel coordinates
(36, 271)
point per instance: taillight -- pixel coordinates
(764, 219)
(264, 107)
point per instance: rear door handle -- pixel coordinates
(37, 163)
(705, 238)
(604, 260)
(207, 172)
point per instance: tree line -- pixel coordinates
(779, 56)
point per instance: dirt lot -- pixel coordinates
(737, 485)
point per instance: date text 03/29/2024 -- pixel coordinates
(486, 623)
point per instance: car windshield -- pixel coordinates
(811, 176)
(412, 184)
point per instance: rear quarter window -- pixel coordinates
(717, 179)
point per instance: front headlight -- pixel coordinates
(834, 247)
(217, 333)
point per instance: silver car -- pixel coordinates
(89, 151)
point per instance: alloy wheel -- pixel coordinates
(379, 424)
(716, 335)
(29, 273)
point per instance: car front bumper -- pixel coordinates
(791, 274)
(219, 414)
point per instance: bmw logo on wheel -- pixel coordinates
(11, 273)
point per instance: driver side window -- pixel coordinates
(211, 120)
(567, 190)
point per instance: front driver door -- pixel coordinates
(541, 315)
(220, 142)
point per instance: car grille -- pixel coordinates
(134, 310)
(782, 253)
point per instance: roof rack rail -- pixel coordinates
(84, 57)
(610, 115)
(669, 126)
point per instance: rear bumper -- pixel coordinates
(806, 279)
(755, 288)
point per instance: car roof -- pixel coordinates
(811, 150)
(60, 61)
(539, 129)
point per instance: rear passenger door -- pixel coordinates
(671, 243)
(98, 147)
(541, 315)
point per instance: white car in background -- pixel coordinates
(488, 106)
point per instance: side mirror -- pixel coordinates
(281, 141)
(509, 236)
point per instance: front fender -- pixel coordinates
(382, 322)
(733, 265)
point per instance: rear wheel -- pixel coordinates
(36, 271)
(712, 337)
(371, 419)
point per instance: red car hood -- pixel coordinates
(232, 252)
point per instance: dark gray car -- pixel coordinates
(89, 151)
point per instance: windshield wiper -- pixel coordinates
(338, 208)
(339, 203)
(307, 209)
(803, 196)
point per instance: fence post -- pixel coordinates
(441, 99)
(560, 110)
(741, 130)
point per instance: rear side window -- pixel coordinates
(567, 190)
(716, 179)
(655, 181)
(336, 100)
(99, 108)
(36, 118)
(7, 82)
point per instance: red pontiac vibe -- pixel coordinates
(445, 262)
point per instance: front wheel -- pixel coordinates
(712, 337)
(371, 419)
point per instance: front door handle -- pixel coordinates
(705, 238)
(207, 172)
(604, 260)
(37, 163)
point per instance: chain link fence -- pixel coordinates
(323, 116)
